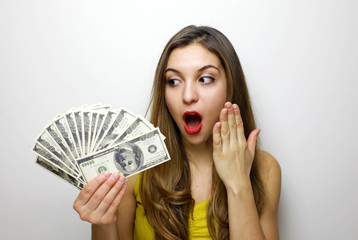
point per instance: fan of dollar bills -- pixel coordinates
(83, 142)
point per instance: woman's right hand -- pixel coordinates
(98, 201)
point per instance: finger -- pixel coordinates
(113, 208)
(89, 189)
(225, 133)
(252, 140)
(239, 123)
(217, 143)
(231, 123)
(101, 192)
(108, 200)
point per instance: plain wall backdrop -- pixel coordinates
(300, 59)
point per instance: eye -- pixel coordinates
(173, 82)
(206, 80)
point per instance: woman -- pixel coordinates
(218, 184)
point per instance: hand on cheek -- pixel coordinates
(233, 154)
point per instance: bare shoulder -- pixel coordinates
(270, 173)
(268, 166)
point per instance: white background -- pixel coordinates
(300, 59)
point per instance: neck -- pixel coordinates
(200, 157)
(199, 154)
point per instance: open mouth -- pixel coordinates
(192, 122)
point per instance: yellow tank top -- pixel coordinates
(198, 229)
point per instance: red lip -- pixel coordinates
(192, 129)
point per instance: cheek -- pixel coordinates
(215, 112)
(170, 102)
(217, 104)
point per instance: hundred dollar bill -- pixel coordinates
(55, 134)
(138, 127)
(99, 122)
(104, 128)
(60, 173)
(86, 126)
(129, 157)
(94, 121)
(73, 129)
(53, 160)
(48, 143)
(121, 122)
(65, 131)
(93, 116)
(78, 121)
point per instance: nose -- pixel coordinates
(190, 94)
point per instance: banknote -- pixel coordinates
(77, 116)
(86, 126)
(99, 123)
(45, 155)
(138, 127)
(129, 157)
(73, 128)
(110, 116)
(84, 141)
(121, 122)
(66, 135)
(60, 173)
(49, 144)
(56, 136)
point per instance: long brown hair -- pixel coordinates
(165, 189)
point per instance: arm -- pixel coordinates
(271, 176)
(244, 221)
(126, 211)
(233, 157)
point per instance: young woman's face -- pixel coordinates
(195, 91)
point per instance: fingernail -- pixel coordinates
(235, 107)
(105, 174)
(122, 179)
(115, 176)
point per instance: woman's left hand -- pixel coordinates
(233, 154)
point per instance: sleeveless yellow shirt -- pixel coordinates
(198, 229)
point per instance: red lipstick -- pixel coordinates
(192, 122)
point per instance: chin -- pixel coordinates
(197, 139)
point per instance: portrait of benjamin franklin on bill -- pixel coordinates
(128, 158)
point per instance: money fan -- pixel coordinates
(83, 142)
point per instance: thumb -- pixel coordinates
(251, 141)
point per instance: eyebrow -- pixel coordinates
(199, 70)
(208, 66)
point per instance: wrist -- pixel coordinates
(241, 186)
